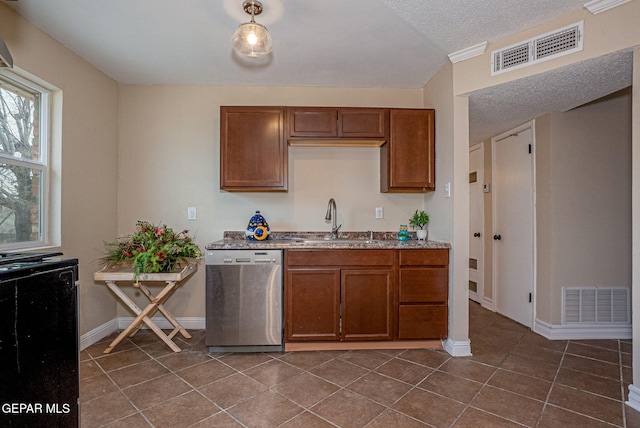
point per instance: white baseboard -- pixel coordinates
(98, 333)
(582, 331)
(487, 303)
(460, 348)
(190, 323)
(104, 330)
(634, 398)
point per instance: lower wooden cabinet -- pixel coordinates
(312, 304)
(367, 304)
(360, 295)
(423, 283)
(339, 295)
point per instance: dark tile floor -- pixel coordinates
(514, 379)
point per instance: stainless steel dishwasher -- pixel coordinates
(244, 300)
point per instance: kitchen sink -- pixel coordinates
(334, 241)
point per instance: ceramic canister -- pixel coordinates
(258, 228)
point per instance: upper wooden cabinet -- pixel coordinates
(335, 122)
(407, 161)
(253, 149)
(253, 143)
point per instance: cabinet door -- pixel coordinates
(363, 123)
(367, 299)
(422, 322)
(408, 159)
(312, 304)
(253, 150)
(319, 122)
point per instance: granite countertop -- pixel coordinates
(310, 240)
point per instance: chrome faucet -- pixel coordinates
(332, 214)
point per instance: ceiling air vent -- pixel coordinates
(551, 45)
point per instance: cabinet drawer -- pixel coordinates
(418, 285)
(313, 122)
(339, 257)
(363, 123)
(424, 257)
(422, 322)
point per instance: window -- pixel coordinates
(24, 170)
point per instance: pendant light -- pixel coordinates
(252, 39)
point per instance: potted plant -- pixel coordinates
(152, 249)
(419, 221)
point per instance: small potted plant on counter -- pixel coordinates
(419, 221)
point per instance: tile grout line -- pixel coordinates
(624, 413)
(553, 383)
(120, 390)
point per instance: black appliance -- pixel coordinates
(39, 380)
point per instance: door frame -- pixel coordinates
(480, 295)
(531, 124)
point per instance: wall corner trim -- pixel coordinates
(634, 397)
(457, 348)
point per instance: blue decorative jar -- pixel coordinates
(403, 234)
(258, 228)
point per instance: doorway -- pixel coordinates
(513, 223)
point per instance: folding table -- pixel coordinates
(156, 303)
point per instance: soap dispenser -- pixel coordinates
(258, 228)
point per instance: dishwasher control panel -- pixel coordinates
(243, 257)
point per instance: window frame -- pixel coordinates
(43, 164)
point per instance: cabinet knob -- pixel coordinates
(497, 237)
(477, 234)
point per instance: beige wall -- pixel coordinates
(605, 33)
(85, 146)
(584, 201)
(169, 160)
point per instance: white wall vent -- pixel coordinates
(547, 46)
(595, 305)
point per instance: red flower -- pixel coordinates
(161, 255)
(126, 253)
(159, 231)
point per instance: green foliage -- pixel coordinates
(152, 249)
(419, 220)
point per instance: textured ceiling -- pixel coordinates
(334, 43)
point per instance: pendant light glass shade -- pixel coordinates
(252, 39)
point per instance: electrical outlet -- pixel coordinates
(191, 213)
(379, 212)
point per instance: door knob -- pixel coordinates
(477, 234)
(497, 237)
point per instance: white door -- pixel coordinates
(476, 223)
(513, 244)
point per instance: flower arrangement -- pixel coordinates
(152, 249)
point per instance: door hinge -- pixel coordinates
(530, 297)
(529, 148)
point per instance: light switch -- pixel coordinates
(191, 213)
(379, 212)
(447, 190)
